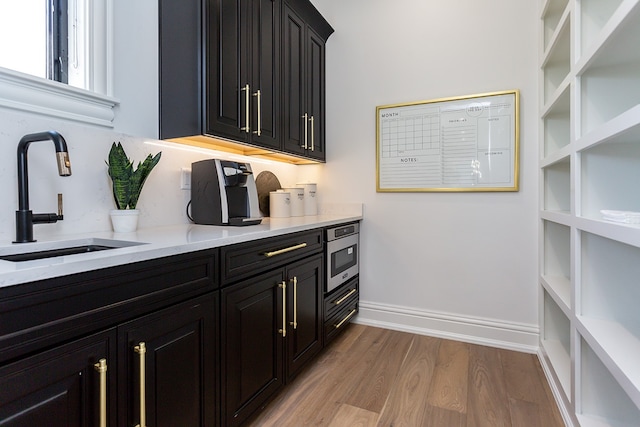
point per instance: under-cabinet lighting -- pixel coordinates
(211, 152)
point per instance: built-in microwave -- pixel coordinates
(342, 254)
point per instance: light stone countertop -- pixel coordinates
(158, 242)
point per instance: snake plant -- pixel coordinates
(127, 182)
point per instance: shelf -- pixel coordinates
(602, 400)
(557, 60)
(559, 288)
(551, 16)
(556, 268)
(556, 119)
(602, 24)
(593, 17)
(624, 128)
(556, 340)
(618, 349)
(610, 175)
(628, 234)
(557, 186)
(564, 218)
(608, 287)
(609, 74)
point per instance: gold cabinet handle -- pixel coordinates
(141, 349)
(101, 367)
(283, 331)
(306, 132)
(312, 134)
(341, 300)
(285, 250)
(258, 98)
(295, 303)
(351, 313)
(247, 92)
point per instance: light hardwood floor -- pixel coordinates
(378, 377)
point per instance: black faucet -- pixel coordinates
(24, 217)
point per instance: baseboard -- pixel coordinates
(489, 332)
(563, 405)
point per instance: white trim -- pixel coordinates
(476, 330)
(94, 105)
(556, 389)
(22, 92)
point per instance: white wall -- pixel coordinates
(470, 257)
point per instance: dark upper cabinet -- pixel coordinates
(303, 83)
(181, 61)
(242, 71)
(223, 73)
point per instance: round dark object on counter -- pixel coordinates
(266, 182)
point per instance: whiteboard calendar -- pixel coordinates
(467, 143)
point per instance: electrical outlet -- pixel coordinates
(185, 179)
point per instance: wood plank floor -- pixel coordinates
(382, 378)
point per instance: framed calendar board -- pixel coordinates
(465, 143)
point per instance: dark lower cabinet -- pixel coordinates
(167, 366)
(304, 313)
(176, 373)
(251, 341)
(271, 326)
(60, 387)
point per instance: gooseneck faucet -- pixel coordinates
(24, 217)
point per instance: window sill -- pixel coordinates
(19, 91)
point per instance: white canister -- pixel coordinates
(279, 204)
(297, 200)
(310, 201)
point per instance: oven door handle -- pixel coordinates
(285, 250)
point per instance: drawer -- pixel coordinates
(243, 260)
(341, 297)
(339, 321)
(38, 314)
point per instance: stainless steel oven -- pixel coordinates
(342, 254)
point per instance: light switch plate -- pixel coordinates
(185, 178)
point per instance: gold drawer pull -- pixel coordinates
(141, 349)
(101, 367)
(285, 250)
(283, 331)
(341, 300)
(295, 303)
(346, 318)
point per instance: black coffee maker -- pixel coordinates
(223, 193)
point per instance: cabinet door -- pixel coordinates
(178, 373)
(293, 44)
(315, 94)
(252, 346)
(60, 387)
(264, 28)
(227, 68)
(180, 41)
(304, 87)
(304, 312)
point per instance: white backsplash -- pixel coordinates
(87, 192)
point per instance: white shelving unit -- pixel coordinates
(590, 161)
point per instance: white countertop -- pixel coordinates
(158, 242)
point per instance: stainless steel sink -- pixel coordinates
(36, 251)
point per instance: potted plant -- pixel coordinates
(127, 184)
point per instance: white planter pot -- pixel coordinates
(124, 220)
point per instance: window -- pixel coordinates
(54, 58)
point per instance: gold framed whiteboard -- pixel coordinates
(464, 143)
